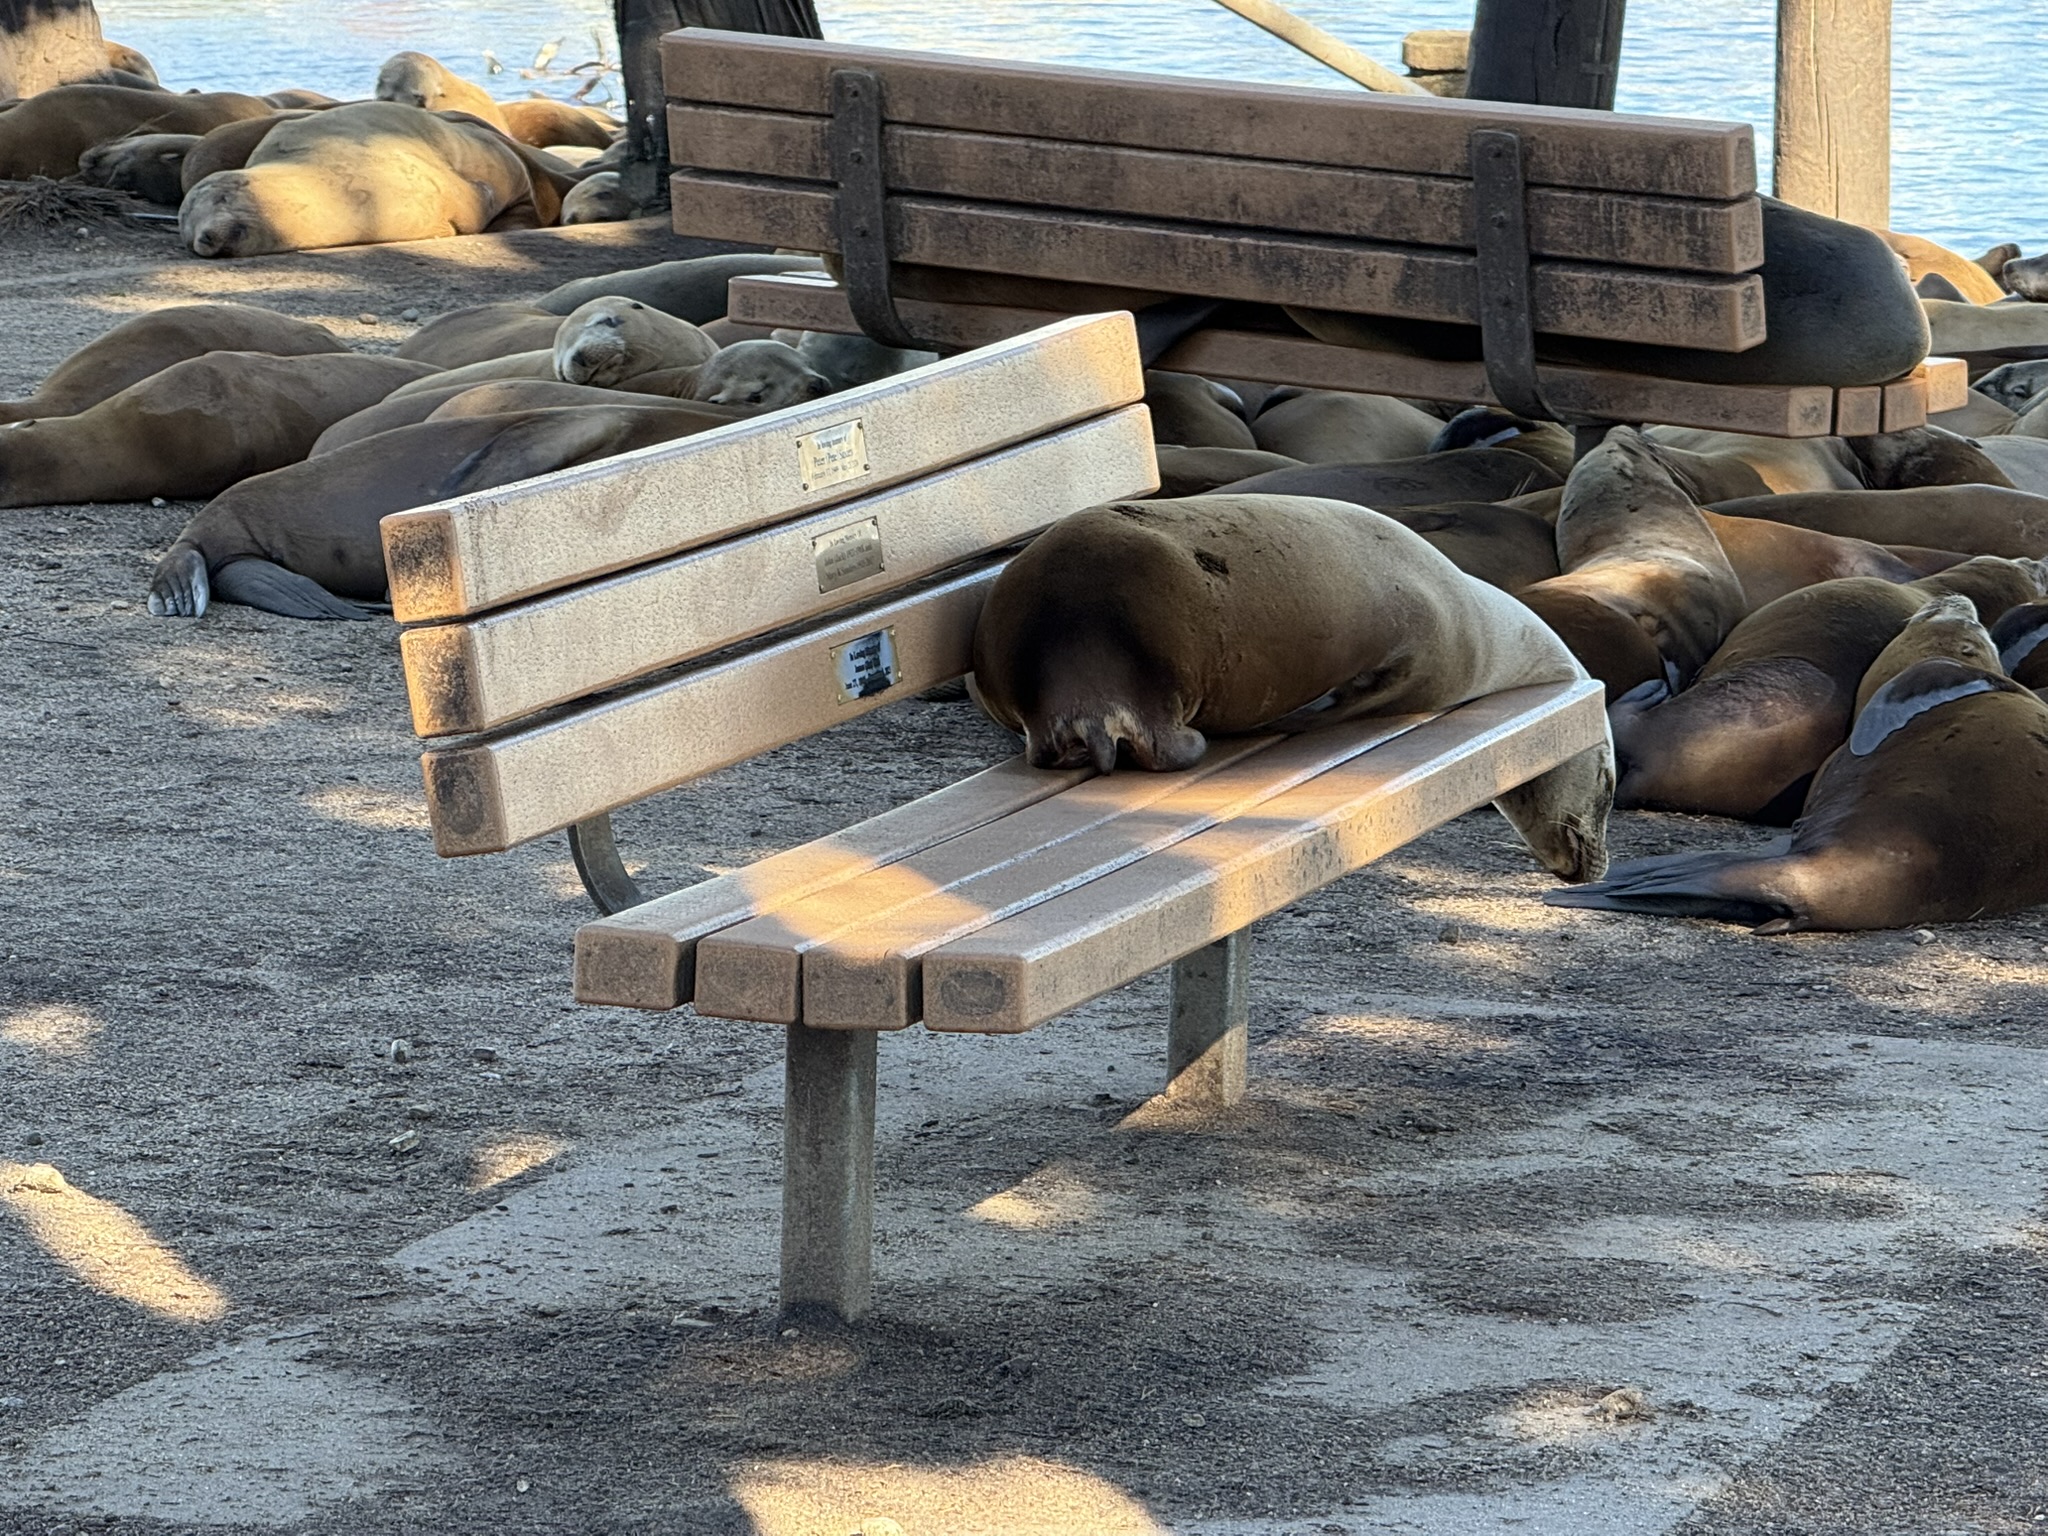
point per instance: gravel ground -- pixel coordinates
(1535, 1220)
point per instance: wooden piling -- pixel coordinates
(1833, 146)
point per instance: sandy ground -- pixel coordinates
(1499, 1163)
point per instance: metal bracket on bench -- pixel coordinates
(861, 210)
(1507, 317)
(596, 853)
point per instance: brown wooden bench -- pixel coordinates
(581, 641)
(920, 172)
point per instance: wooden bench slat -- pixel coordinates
(755, 970)
(870, 976)
(1771, 410)
(1627, 229)
(481, 551)
(646, 957)
(1562, 146)
(1720, 314)
(494, 669)
(1018, 973)
(489, 795)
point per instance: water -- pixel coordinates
(1968, 116)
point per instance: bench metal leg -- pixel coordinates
(1207, 1043)
(828, 1171)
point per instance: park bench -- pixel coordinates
(583, 640)
(918, 170)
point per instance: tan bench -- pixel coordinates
(583, 640)
(1579, 225)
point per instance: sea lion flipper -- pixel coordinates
(272, 588)
(1728, 884)
(179, 589)
(2018, 633)
(1923, 686)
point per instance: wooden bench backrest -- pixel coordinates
(597, 635)
(1645, 229)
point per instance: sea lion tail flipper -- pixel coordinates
(179, 589)
(1733, 885)
(261, 584)
(1562, 814)
(547, 440)
(1923, 686)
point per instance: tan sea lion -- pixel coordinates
(544, 124)
(1193, 412)
(293, 99)
(228, 147)
(1973, 284)
(1972, 519)
(763, 374)
(536, 364)
(1784, 464)
(152, 342)
(1709, 477)
(1647, 591)
(192, 430)
(480, 333)
(1771, 559)
(1988, 330)
(692, 290)
(1328, 426)
(599, 198)
(1469, 474)
(130, 61)
(1148, 625)
(302, 540)
(1195, 471)
(362, 174)
(419, 80)
(46, 134)
(608, 340)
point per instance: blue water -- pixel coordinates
(1969, 112)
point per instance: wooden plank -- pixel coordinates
(870, 976)
(476, 552)
(1628, 229)
(488, 795)
(755, 970)
(1764, 410)
(1676, 157)
(1720, 314)
(1018, 973)
(646, 957)
(1905, 402)
(492, 670)
(1948, 383)
(1859, 411)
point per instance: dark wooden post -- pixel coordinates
(1550, 53)
(641, 25)
(47, 42)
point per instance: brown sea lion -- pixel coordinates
(1329, 426)
(1784, 464)
(765, 375)
(1647, 591)
(1943, 626)
(497, 398)
(2019, 634)
(1195, 471)
(1502, 546)
(302, 540)
(363, 174)
(480, 333)
(1780, 694)
(2019, 387)
(1900, 461)
(1470, 474)
(150, 165)
(1147, 625)
(545, 124)
(228, 147)
(608, 340)
(1978, 416)
(1929, 813)
(1709, 477)
(1995, 261)
(130, 61)
(599, 198)
(293, 99)
(152, 342)
(1973, 519)
(692, 289)
(1988, 330)
(419, 80)
(1771, 559)
(46, 134)
(193, 429)
(1193, 412)
(2022, 454)
(1488, 426)
(1973, 284)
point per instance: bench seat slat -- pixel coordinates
(512, 662)
(870, 976)
(1627, 229)
(1720, 314)
(1563, 147)
(491, 794)
(1018, 973)
(481, 551)
(1768, 410)
(646, 957)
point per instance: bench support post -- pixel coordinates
(828, 1171)
(1207, 1042)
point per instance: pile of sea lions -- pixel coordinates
(428, 154)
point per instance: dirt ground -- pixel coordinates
(1535, 1221)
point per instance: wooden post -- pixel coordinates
(828, 1172)
(1208, 1037)
(1832, 151)
(44, 43)
(1548, 53)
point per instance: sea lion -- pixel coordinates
(1147, 625)
(1329, 426)
(1988, 330)
(1971, 283)
(2019, 634)
(1784, 464)
(547, 124)
(611, 339)
(1929, 813)
(228, 147)
(536, 364)
(1899, 461)
(497, 397)
(1943, 626)
(362, 174)
(150, 165)
(1193, 412)
(1647, 591)
(692, 290)
(192, 430)
(2018, 387)
(1780, 694)
(600, 198)
(1935, 286)
(1978, 416)
(764, 374)
(2028, 278)
(1470, 474)
(1709, 477)
(419, 80)
(1488, 426)
(1771, 559)
(1995, 261)
(1195, 471)
(152, 342)
(46, 134)
(1973, 519)
(480, 333)
(295, 100)
(130, 61)
(1502, 546)
(302, 540)
(2021, 454)
(851, 360)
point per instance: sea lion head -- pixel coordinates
(2028, 278)
(851, 360)
(1896, 461)
(246, 212)
(412, 79)
(759, 373)
(1945, 627)
(138, 163)
(599, 198)
(611, 339)
(2016, 386)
